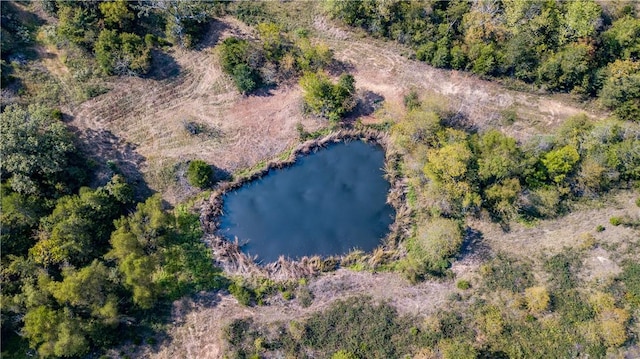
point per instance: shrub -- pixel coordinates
(537, 299)
(616, 221)
(463, 284)
(600, 228)
(328, 100)
(241, 293)
(199, 173)
(411, 100)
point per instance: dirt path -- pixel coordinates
(379, 66)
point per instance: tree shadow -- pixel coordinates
(337, 67)
(212, 36)
(461, 122)
(473, 246)
(264, 90)
(220, 175)
(368, 103)
(163, 66)
(167, 313)
(110, 155)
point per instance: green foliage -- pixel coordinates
(563, 268)
(78, 229)
(36, 151)
(449, 167)
(242, 294)
(349, 326)
(235, 57)
(621, 89)
(122, 53)
(630, 276)
(560, 46)
(78, 25)
(159, 254)
(328, 100)
(616, 221)
(561, 162)
(199, 173)
(411, 100)
(463, 284)
(116, 13)
(343, 354)
(499, 157)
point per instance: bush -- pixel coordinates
(328, 100)
(199, 173)
(616, 221)
(412, 100)
(463, 284)
(537, 299)
(241, 293)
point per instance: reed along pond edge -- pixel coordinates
(228, 255)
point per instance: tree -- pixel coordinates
(567, 69)
(621, 89)
(328, 100)
(184, 19)
(199, 173)
(235, 56)
(561, 162)
(449, 167)
(581, 19)
(36, 149)
(78, 229)
(77, 25)
(122, 54)
(499, 157)
(116, 13)
(622, 40)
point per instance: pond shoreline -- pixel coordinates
(228, 255)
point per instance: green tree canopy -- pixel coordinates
(122, 53)
(36, 149)
(326, 99)
(199, 173)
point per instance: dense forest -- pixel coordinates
(87, 256)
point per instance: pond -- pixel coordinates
(327, 203)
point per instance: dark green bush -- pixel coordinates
(199, 173)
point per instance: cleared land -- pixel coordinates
(139, 124)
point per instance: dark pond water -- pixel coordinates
(327, 203)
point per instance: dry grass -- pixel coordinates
(383, 67)
(149, 113)
(199, 323)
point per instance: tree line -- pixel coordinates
(583, 46)
(81, 265)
